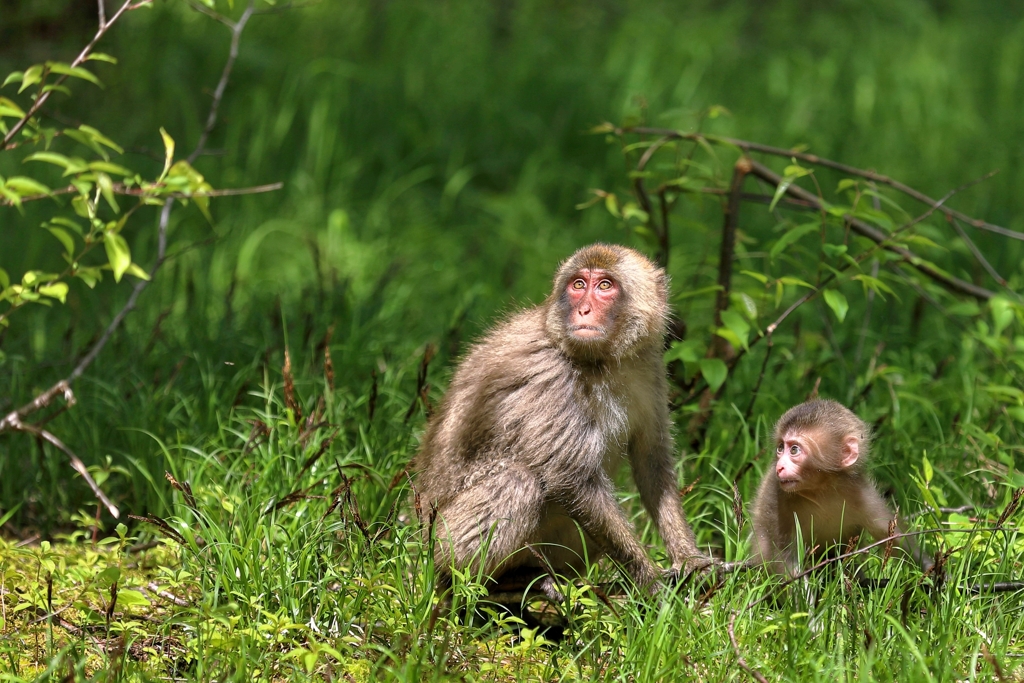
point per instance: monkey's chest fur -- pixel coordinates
(834, 517)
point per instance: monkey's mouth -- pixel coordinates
(789, 484)
(587, 331)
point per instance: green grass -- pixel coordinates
(433, 156)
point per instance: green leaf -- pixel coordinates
(50, 158)
(698, 292)
(837, 302)
(611, 203)
(56, 290)
(107, 189)
(9, 108)
(790, 174)
(67, 240)
(100, 138)
(687, 351)
(101, 57)
(873, 283)
(845, 184)
(90, 275)
(792, 236)
(50, 87)
(168, 152)
(1002, 312)
(137, 270)
(745, 304)
(795, 281)
(74, 72)
(130, 598)
(5, 279)
(834, 250)
(27, 186)
(67, 223)
(926, 467)
(735, 322)
(731, 337)
(32, 75)
(108, 576)
(13, 77)
(118, 254)
(714, 371)
(631, 210)
(760, 277)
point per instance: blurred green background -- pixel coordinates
(433, 154)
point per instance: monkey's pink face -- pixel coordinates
(592, 295)
(795, 455)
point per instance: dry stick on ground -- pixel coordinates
(814, 159)
(14, 421)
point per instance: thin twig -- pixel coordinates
(754, 673)
(124, 190)
(218, 94)
(979, 256)
(41, 100)
(748, 146)
(880, 238)
(76, 462)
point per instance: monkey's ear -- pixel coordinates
(849, 452)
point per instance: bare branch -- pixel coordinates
(732, 216)
(76, 462)
(102, 13)
(165, 215)
(979, 256)
(748, 146)
(218, 94)
(754, 673)
(41, 100)
(880, 238)
(124, 190)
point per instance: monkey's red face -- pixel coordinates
(796, 455)
(592, 295)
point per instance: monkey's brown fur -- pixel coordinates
(835, 501)
(534, 422)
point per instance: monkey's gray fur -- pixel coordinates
(536, 420)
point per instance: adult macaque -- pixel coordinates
(818, 480)
(537, 416)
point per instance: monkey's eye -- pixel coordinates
(579, 284)
(780, 448)
(794, 450)
(605, 285)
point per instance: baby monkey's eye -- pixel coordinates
(795, 450)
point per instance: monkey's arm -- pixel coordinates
(593, 505)
(877, 518)
(651, 459)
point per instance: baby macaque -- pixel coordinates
(518, 461)
(818, 480)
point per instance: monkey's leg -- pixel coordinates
(483, 527)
